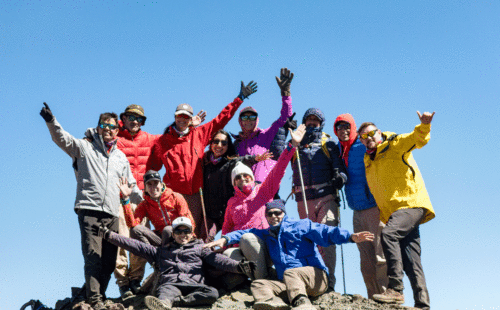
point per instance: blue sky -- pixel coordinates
(381, 61)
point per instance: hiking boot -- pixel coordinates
(125, 292)
(390, 296)
(271, 304)
(99, 305)
(154, 303)
(303, 303)
(135, 286)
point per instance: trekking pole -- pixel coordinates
(204, 213)
(341, 247)
(302, 183)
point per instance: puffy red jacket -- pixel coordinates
(137, 149)
(183, 156)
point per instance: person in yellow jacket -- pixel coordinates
(399, 190)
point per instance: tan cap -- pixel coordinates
(184, 108)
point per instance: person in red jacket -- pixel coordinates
(181, 148)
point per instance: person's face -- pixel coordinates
(183, 234)
(219, 145)
(343, 131)
(107, 133)
(132, 122)
(153, 188)
(370, 142)
(182, 121)
(274, 216)
(313, 121)
(248, 121)
(242, 179)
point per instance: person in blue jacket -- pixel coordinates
(293, 248)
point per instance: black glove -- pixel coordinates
(100, 231)
(339, 179)
(284, 81)
(246, 91)
(290, 123)
(46, 113)
(247, 268)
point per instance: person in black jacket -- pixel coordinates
(181, 281)
(218, 162)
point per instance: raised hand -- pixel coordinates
(284, 81)
(298, 135)
(267, 155)
(46, 113)
(362, 236)
(290, 122)
(125, 188)
(246, 91)
(426, 118)
(198, 118)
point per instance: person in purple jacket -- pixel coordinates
(253, 140)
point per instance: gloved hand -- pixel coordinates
(246, 91)
(339, 179)
(290, 123)
(46, 113)
(247, 268)
(284, 81)
(100, 231)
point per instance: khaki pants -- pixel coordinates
(323, 210)
(372, 261)
(123, 272)
(309, 281)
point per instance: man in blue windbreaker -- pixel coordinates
(292, 246)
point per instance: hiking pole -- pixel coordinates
(341, 247)
(302, 183)
(204, 213)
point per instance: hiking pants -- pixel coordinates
(372, 259)
(401, 245)
(186, 295)
(323, 210)
(308, 281)
(98, 254)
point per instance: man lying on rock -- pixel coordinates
(181, 281)
(292, 246)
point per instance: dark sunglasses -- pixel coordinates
(368, 134)
(240, 176)
(186, 231)
(248, 117)
(222, 142)
(275, 213)
(139, 119)
(109, 126)
(343, 127)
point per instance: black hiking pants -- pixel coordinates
(188, 295)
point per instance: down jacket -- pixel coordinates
(260, 141)
(137, 148)
(183, 156)
(393, 175)
(177, 263)
(172, 205)
(296, 243)
(248, 211)
(98, 171)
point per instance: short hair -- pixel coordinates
(364, 125)
(108, 115)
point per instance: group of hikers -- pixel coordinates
(233, 188)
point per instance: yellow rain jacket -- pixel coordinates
(393, 175)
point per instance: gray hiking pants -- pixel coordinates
(188, 295)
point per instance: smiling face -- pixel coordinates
(343, 131)
(106, 133)
(153, 189)
(248, 125)
(217, 146)
(182, 121)
(274, 216)
(131, 123)
(183, 234)
(313, 121)
(370, 142)
(242, 179)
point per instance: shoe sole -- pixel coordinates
(266, 306)
(154, 303)
(390, 301)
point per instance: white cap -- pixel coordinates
(182, 221)
(241, 168)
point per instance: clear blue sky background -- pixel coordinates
(380, 61)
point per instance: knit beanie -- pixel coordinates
(241, 168)
(276, 204)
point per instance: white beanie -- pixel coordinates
(241, 168)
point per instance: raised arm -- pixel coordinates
(419, 137)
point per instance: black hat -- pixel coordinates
(151, 175)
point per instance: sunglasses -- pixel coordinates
(241, 176)
(248, 117)
(108, 126)
(182, 231)
(222, 142)
(275, 213)
(343, 127)
(183, 116)
(139, 119)
(368, 134)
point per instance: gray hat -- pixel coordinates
(184, 108)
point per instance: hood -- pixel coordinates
(346, 145)
(316, 112)
(245, 135)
